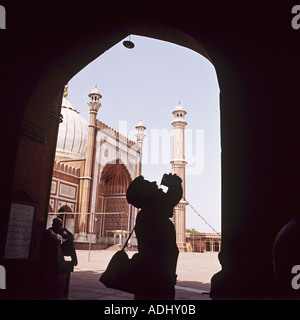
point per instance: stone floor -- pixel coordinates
(194, 272)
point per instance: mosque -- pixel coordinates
(94, 165)
(260, 164)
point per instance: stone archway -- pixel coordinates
(113, 185)
(254, 52)
(42, 123)
(36, 148)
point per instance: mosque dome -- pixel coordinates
(73, 132)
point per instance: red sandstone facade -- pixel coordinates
(93, 168)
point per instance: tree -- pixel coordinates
(191, 230)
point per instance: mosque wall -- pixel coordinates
(112, 146)
(116, 159)
(64, 194)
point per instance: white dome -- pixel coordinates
(179, 108)
(66, 103)
(140, 125)
(72, 133)
(95, 91)
(179, 111)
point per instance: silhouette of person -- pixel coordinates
(155, 263)
(56, 243)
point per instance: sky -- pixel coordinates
(148, 82)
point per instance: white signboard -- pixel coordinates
(19, 231)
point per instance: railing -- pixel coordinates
(103, 225)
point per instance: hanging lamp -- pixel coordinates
(128, 43)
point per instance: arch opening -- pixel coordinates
(67, 66)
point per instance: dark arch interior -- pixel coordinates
(259, 116)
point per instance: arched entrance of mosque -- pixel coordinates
(51, 85)
(65, 214)
(117, 216)
(260, 164)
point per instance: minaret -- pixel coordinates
(140, 135)
(178, 166)
(94, 106)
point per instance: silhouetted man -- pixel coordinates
(57, 242)
(154, 273)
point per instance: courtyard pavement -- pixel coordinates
(194, 272)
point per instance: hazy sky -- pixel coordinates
(148, 82)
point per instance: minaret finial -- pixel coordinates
(66, 90)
